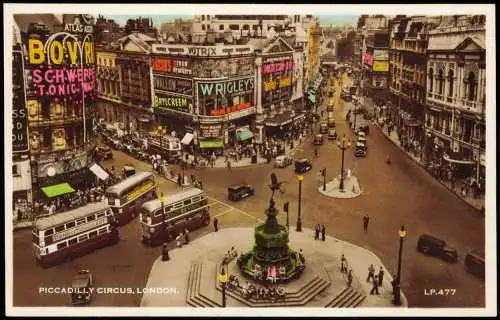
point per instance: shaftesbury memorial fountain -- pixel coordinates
(271, 260)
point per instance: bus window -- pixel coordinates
(93, 234)
(167, 209)
(178, 205)
(59, 228)
(61, 245)
(196, 199)
(83, 237)
(187, 202)
(101, 214)
(72, 241)
(90, 218)
(101, 231)
(80, 221)
(158, 213)
(70, 225)
(49, 232)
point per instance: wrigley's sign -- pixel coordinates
(223, 88)
(202, 51)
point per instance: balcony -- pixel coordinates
(57, 122)
(470, 106)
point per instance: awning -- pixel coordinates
(57, 190)
(211, 144)
(312, 98)
(144, 119)
(458, 161)
(299, 116)
(188, 137)
(243, 134)
(279, 120)
(99, 171)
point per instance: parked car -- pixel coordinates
(362, 139)
(318, 139)
(331, 122)
(323, 127)
(332, 134)
(474, 263)
(103, 152)
(360, 150)
(303, 165)
(239, 191)
(81, 285)
(329, 107)
(283, 161)
(437, 247)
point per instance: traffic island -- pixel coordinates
(351, 188)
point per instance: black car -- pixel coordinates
(474, 263)
(434, 246)
(239, 192)
(103, 153)
(303, 165)
(81, 285)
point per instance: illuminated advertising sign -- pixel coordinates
(19, 108)
(381, 66)
(171, 84)
(202, 51)
(368, 59)
(235, 108)
(63, 64)
(224, 88)
(210, 131)
(172, 102)
(140, 190)
(271, 84)
(177, 66)
(282, 66)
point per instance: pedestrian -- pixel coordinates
(179, 180)
(366, 219)
(315, 152)
(380, 276)
(186, 236)
(229, 165)
(216, 225)
(316, 232)
(349, 278)
(371, 273)
(375, 285)
(178, 240)
(19, 213)
(193, 178)
(323, 231)
(164, 252)
(343, 264)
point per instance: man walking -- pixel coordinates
(366, 219)
(323, 231)
(164, 253)
(343, 264)
(375, 285)
(186, 236)
(380, 276)
(316, 232)
(229, 164)
(216, 225)
(371, 273)
(349, 278)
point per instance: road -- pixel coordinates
(393, 195)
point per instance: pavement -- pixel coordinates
(173, 274)
(351, 188)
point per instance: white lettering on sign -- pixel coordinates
(74, 231)
(227, 87)
(202, 51)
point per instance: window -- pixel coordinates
(59, 228)
(471, 86)
(93, 234)
(431, 80)
(90, 218)
(102, 230)
(49, 232)
(70, 225)
(450, 83)
(234, 27)
(202, 17)
(83, 237)
(62, 245)
(72, 242)
(187, 202)
(99, 215)
(203, 27)
(195, 199)
(167, 209)
(80, 221)
(15, 171)
(221, 27)
(440, 81)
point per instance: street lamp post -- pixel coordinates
(223, 281)
(344, 145)
(397, 285)
(323, 173)
(285, 208)
(299, 221)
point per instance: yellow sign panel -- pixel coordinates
(381, 66)
(140, 190)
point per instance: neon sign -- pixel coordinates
(278, 67)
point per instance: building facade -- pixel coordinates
(109, 85)
(376, 66)
(60, 98)
(456, 83)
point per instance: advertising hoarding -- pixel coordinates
(368, 59)
(19, 108)
(380, 54)
(173, 84)
(168, 101)
(381, 66)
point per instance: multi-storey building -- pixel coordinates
(60, 97)
(408, 63)
(107, 31)
(109, 84)
(456, 83)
